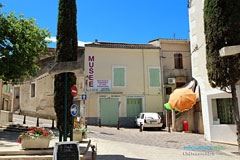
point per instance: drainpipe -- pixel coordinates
(162, 80)
(144, 82)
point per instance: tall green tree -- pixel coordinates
(66, 51)
(21, 45)
(222, 28)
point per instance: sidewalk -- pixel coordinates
(130, 144)
(112, 150)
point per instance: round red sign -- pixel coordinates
(74, 91)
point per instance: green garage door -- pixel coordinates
(109, 111)
(134, 107)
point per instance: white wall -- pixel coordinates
(199, 72)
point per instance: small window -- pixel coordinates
(168, 90)
(178, 61)
(119, 76)
(154, 76)
(33, 89)
(225, 111)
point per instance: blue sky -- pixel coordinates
(128, 21)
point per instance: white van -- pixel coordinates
(149, 119)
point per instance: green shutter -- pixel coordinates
(154, 77)
(118, 77)
(6, 88)
(109, 111)
(134, 107)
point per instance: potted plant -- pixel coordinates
(35, 138)
(79, 133)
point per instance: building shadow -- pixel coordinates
(115, 157)
(9, 136)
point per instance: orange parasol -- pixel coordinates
(182, 99)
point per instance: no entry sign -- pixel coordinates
(74, 91)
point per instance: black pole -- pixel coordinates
(118, 125)
(60, 137)
(37, 122)
(169, 127)
(99, 122)
(141, 127)
(52, 123)
(71, 133)
(86, 124)
(24, 119)
(93, 152)
(65, 108)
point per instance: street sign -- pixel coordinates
(74, 110)
(74, 91)
(84, 97)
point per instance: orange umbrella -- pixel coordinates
(182, 99)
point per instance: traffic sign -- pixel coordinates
(84, 96)
(74, 110)
(74, 91)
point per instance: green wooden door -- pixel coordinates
(134, 107)
(109, 111)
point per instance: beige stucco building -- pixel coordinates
(5, 102)
(37, 94)
(214, 102)
(120, 80)
(133, 77)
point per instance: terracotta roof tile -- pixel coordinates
(121, 45)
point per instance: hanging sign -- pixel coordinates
(91, 71)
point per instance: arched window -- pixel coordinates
(178, 61)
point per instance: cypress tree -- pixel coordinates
(66, 51)
(222, 28)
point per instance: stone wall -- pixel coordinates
(5, 117)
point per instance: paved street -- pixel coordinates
(130, 144)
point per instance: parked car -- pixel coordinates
(149, 120)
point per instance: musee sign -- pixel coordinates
(91, 71)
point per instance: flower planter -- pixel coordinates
(77, 135)
(40, 142)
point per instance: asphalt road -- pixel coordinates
(130, 144)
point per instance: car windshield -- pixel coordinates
(152, 116)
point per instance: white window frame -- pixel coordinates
(125, 70)
(154, 67)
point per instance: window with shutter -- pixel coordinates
(154, 77)
(178, 61)
(118, 77)
(5, 88)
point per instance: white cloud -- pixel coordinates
(80, 43)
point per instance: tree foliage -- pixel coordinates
(222, 28)
(66, 51)
(20, 44)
